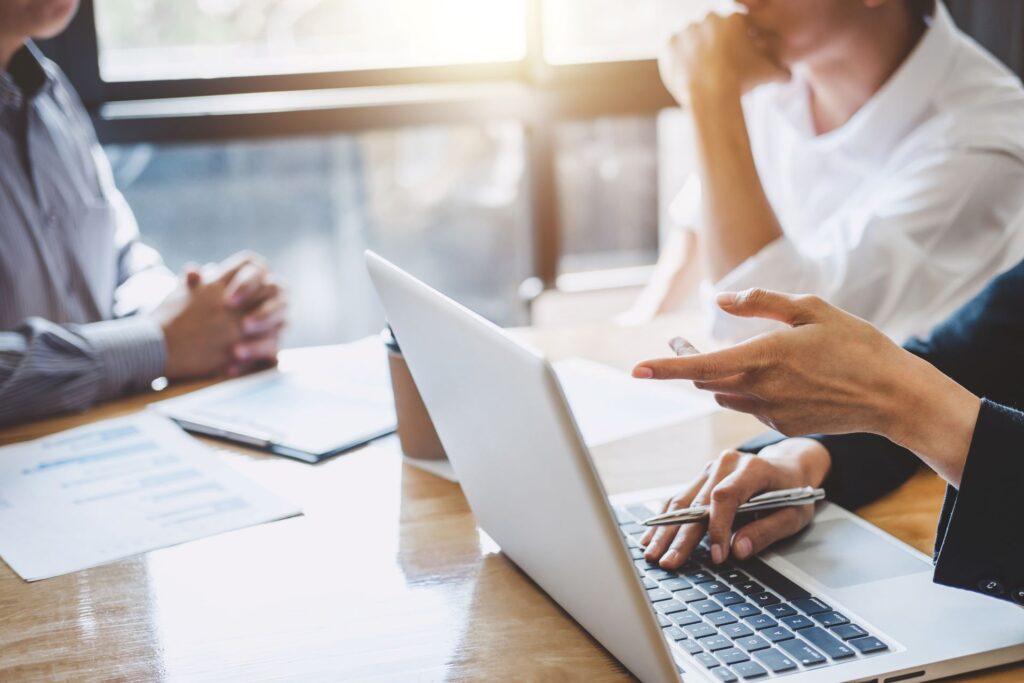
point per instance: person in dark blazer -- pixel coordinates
(953, 401)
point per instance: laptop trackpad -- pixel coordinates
(840, 553)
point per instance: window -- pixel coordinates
(167, 39)
(446, 202)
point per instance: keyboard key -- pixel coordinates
(780, 610)
(717, 642)
(797, 622)
(691, 646)
(642, 565)
(663, 621)
(802, 652)
(689, 595)
(669, 606)
(631, 542)
(657, 595)
(721, 618)
(760, 621)
(750, 587)
(735, 631)
(700, 576)
(773, 580)
(676, 584)
(743, 609)
(810, 605)
(869, 644)
(775, 660)
(821, 639)
(831, 619)
(732, 655)
(700, 630)
(633, 528)
(684, 618)
(753, 643)
(724, 675)
(649, 583)
(848, 631)
(636, 553)
(621, 516)
(734, 576)
(659, 574)
(675, 633)
(764, 599)
(705, 606)
(712, 587)
(775, 634)
(707, 660)
(749, 670)
(728, 598)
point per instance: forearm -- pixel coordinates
(47, 368)
(738, 220)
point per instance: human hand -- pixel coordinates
(831, 372)
(724, 52)
(261, 299)
(727, 482)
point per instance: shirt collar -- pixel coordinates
(897, 106)
(28, 75)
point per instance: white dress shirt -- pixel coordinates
(906, 211)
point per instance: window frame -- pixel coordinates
(530, 91)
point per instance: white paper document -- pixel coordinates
(610, 405)
(338, 399)
(113, 489)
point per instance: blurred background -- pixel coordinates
(495, 148)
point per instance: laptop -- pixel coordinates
(842, 601)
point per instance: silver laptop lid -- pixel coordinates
(528, 477)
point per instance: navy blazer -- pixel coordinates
(979, 546)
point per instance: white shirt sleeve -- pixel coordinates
(929, 240)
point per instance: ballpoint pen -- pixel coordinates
(765, 501)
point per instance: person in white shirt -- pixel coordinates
(866, 151)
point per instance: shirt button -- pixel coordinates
(1018, 596)
(991, 587)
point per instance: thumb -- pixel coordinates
(192, 275)
(794, 310)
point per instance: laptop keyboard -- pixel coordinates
(743, 620)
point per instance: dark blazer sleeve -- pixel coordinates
(982, 347)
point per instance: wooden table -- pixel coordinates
(384, 577)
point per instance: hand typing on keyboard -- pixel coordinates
(730, 480)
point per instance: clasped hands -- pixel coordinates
(827, 372)
(222, 318)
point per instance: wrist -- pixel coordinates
(807, 458)
(935, 419)
(708, 88)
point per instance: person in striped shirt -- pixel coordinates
(87, 311)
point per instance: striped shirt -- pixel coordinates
(73, 274)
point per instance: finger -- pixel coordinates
(759, 534)
(737, 384)
(743, 357)
(193, 278)
(248, 280)
(688, 535)
(751, 477)
(261, 348)
(267, 316)
(646, 538)
(791, 309)
(227, 268)
(742, 403)
(663, 535)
